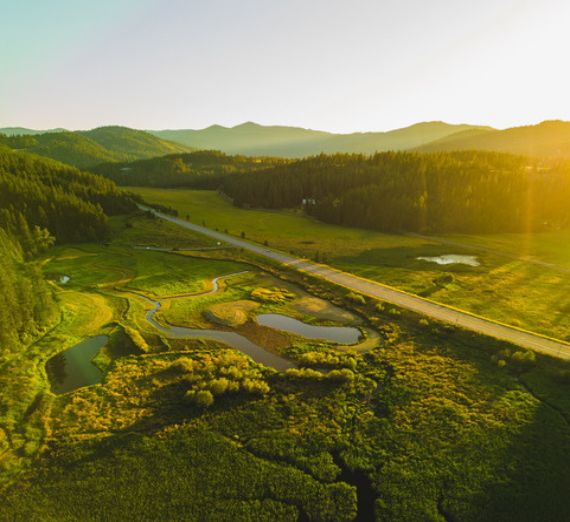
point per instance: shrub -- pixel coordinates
(524, 358)
(344, 375)
(219, 386)
(356, 298)
(201, 398)
(183, 365)
(255, 386)
(137, 339)
(304, 373)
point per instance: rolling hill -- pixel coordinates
(23, 131)
(203, 169)
(547, 139)
(85, 149)
(253, 139)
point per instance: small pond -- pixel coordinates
(72, 368)
(452, 259)
(335, 334)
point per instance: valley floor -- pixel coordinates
(418, 421)
(522, 280)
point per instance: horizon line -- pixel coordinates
(250, 122)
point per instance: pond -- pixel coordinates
(452, 259)
(235, 340)
(335, 334)
(73, 368)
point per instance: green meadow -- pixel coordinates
(522, 280)
(425, 424)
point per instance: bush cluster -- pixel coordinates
(217, 375)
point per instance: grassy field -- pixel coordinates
(505, 287)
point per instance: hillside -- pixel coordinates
(85, 149)
(456, 192)
(202, 169)
(38, 194)
(549, 139)
(132, 144)
(253, 139)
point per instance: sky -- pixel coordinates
(336, 65)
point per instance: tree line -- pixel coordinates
(402, 191)
(27, 302)
(39, 197)
(199, 170)
(43, 202)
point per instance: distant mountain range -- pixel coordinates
(258, 140)
(86, 149)
(119, 144)
(547, 139)
(22, 131)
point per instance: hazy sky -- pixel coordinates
(340, 65)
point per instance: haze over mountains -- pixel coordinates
(86, 149)
(549, 138)
(258, 140)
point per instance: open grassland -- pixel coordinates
(551, 247)
(286, 230)
(523, 280)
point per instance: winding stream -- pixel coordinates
(235, 340)
(73, 368)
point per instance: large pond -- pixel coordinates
(73, 368)
(335, 334)
(452, 259)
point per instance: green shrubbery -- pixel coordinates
(328, 359)
(214, 376)
(516, 359)
(356, 298)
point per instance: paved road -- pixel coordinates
(379, 291)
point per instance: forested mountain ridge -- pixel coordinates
(85, 149)
(547, 139)
(253, 139)
(414, 192)
(202, 169)
(42, 202)
(36, 193)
